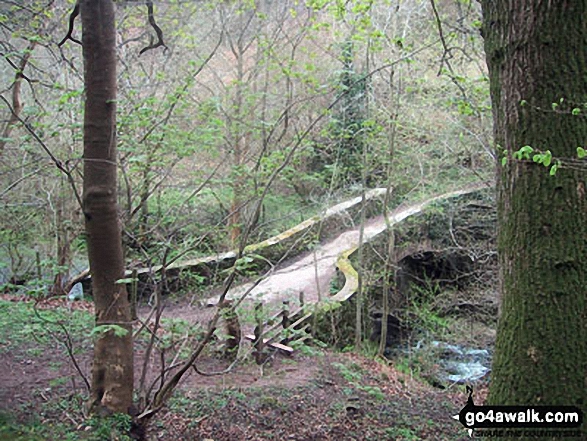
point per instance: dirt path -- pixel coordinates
(313, 272)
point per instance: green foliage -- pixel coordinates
(349, 122)
(402, 433)
(304, 347)
(11, 430)
(176, 331)
(112, 427)
(523, 153)
(101, 330)
(504, 158)
(23, 330)
(204, 402)
(247, 264)
(545, 158)
(354, 374)
(422, 312)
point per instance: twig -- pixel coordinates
(167, 387)
(157, 29)
(68, 343)
(447, 55)
(44, 146)
(72, 18)
(19, 180)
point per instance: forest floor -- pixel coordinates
(313, 394)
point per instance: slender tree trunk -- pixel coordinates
(235, 220)
(391, 264)
(537, 55)
(17, 104)
(239, 150)
(62, 244)
(144, 201)
(112, 374)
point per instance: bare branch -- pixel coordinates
(157, 29)
(67, 343)
(58, 163)
(72, 17)
(447, 55)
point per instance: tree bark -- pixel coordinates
(63, 245)
(112, 373)
(537, 55)
(17, 104)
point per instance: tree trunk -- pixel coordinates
(63, 246)
(537, 55)
(17, 104)
(238, 153)
(112, 374)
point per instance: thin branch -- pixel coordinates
(72, 18)
(17, 104)
(68, 343)
(25, 58)
(58, 163)
(18, 181)
(157, 29)
(163, 122)
(447, 54)
(166, 389)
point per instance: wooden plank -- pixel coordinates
(297, 331)
(279, 346)
(278, 325)
(301, 320)
(273, 328)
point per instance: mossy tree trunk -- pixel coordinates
(537, 55)
(112, 372)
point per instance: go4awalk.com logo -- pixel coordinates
(520, 421)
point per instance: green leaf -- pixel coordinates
(523, 103)
(524, 152)
(576, 111)
(581, 152)
(504, 161)
(125, 281)
(554, 168)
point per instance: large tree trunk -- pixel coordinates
(112, 374)
(537, 55)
